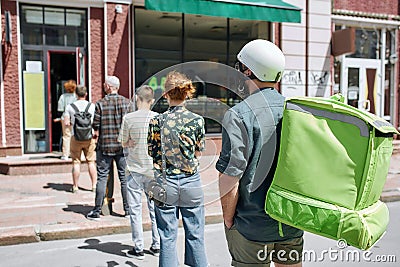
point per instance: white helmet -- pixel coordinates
(264, 59)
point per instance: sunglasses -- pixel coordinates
(239, 66)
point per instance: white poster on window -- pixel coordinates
(34, 66)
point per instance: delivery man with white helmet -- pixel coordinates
(250, 146)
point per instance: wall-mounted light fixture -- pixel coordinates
(118, 9)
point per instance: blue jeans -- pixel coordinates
(136, 184)
(104, 165)
(193, 222)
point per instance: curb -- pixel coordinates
(85, 229)
(75, 231)
(19, 236)
(390, 195)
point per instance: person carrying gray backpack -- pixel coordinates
(79, 115)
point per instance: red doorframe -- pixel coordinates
(49, 111)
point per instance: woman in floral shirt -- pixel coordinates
(183, 133)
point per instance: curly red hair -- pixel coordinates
(178, 86)
(70, 86)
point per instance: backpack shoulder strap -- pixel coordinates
(88, 106)
(75, 108)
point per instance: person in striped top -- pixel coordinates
(139, 169)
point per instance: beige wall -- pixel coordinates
(306, 46)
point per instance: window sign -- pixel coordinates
(33, 66)
(34, 101)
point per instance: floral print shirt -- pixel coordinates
(183, 135)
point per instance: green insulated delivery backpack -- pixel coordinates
(332, 166)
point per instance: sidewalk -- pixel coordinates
(40, 207)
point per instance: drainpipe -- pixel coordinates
(307, 49)
(133, 55)
(2, 111)
(395, 101)
(105, 41)
(130, 59)
(382, 85)
(88, 64)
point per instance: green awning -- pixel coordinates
(268, 10)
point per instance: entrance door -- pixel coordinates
(361, 84)
(62, 66)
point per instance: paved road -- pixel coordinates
(108, 251)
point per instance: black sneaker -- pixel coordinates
(154, 251)
(137, 255)
(93, 215)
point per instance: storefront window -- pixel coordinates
(58, 26)
(54, 36)
(205, 39)
(76, 37)
(50, 37)
(243, 31)
(75, 18)
(54, 16)
(33, 36)
(367, 44)
(164, 39)
(32, 14)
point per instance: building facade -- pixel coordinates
(45, 44)
(368, 75)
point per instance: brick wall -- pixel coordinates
(11, 78)
(96, 53)
(118, 46)
(370, 6)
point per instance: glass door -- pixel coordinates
(361, 84)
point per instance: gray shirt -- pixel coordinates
(250, 146)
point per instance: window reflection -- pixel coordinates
(367, 45)
(205, 39)
(164, 39)
(54, 36)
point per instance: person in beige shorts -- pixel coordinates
(86, 146)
